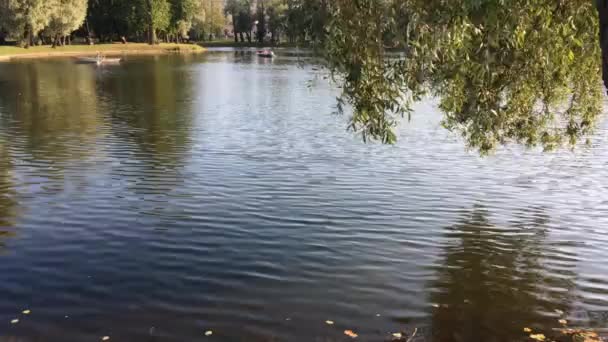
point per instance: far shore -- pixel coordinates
(12, 52)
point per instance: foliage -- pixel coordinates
(182, 15)
(260, 18)
(209, 18)
(67, 17)
(242, 17)
(161, 14)
(307, 20)
(277, 20)
(524, 71)
(26, 18)
(109, 18)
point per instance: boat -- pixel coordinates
(265, 54)
(99, 60)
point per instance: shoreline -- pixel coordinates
(10, 53)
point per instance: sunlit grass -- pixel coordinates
(46, 50)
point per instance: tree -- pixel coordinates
(108, 19)
(276, 10)
(260, 15)
(182, 16)
(67, 17)
(209, 19)
(306, 20)
(158, 18)
(240, 11)
(3, 20)
(28, 17)
(231, 9)
(526, 71)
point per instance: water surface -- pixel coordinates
(172, 195)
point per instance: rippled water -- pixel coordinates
(173, 195)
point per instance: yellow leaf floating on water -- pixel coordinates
(563, 321)
(208, 333)
(329, 322)
(350, 333)
(559, 312)
(105, 338)
(528, 330)
(397, 335)
(26, 312)
(538, 337)
(15, 321)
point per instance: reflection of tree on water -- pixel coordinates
(492, 282)
(8, 204)
(151, 116)
(155, 106)
(51, 109)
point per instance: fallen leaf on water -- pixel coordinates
(15, 321)
(288, 319)
(105, 338)
(538, 337)
(397, 335)
(563, 321)
(330, 322)
(26, 312)
(208, 333)
(559, 312)
(528, 330)
(350, 333)
(435, 305)
(377, 315)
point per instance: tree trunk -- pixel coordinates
(242, 37)
(55, 41)
(249, 37)
(88, 37)
(602, 9)
(236, 33)
(27, 37)
(151, 29)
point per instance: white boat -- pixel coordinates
(99, 60)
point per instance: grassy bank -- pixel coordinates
(13, 52)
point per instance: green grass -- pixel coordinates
(34, 51)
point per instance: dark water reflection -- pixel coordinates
(218, 192)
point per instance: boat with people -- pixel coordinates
(265, 54)
(99, 60)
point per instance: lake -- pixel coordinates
(173, 195)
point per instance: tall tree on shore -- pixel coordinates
(209, 19)
(28, 17)
(158, 17)
(276, 11)
(240, 11)
(3, 20)
(260, 15)
(232, 9)
(108, 19)
(67, 17)
(182, 16)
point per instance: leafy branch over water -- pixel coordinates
(524, 71)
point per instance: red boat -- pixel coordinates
(265, 54)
